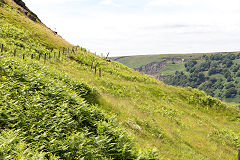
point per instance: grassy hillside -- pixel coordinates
(44, 113)
(172, 70)
(62, 109)
(17, 29)
(181, 123)
(141, 60)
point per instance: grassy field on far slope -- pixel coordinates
(141, 60)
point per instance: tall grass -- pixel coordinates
(62, 109)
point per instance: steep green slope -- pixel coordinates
(53, 114)
(19, 30)
(61, 108)
(46, 114)
(182, 123)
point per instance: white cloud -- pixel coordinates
(168, 2)
(220, 5)
(106, 2)
(109, 3)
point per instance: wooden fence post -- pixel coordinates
(96, 69)
(100, 72)
(238, 157)
(92, 65)
(23, 56)
(45, 57)
(15, 52)
(2, 48)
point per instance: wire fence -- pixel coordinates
(64, 52)
(50, 55)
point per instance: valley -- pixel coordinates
(60, 101)
(180, 70)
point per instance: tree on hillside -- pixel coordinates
(235, 68)
(230, 85)
(204, 66)
(227, 74)
(238, 74)
(212, 71)
(216, 57)
(189, 65)
(230, 93)
(228, 63)
(231, 56)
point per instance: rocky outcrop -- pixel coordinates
(155, 68)
(152, 68)
(22, 4)
(24, 9)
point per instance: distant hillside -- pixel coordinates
(143, 60)
(218, 75)
(59, 101)
(184, 69)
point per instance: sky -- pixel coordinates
(137, 27)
